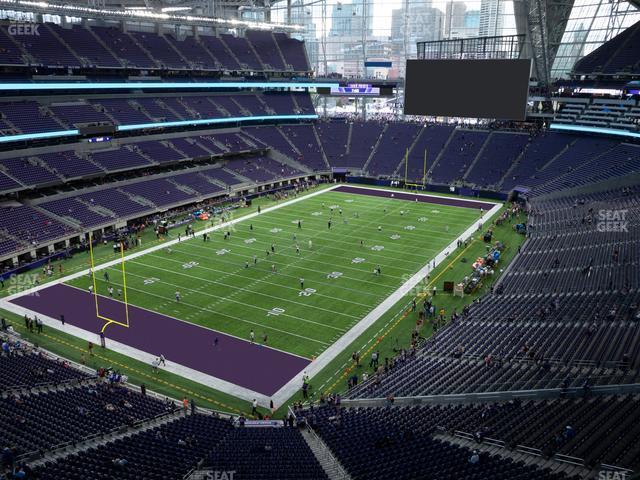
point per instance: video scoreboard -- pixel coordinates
(358, 90)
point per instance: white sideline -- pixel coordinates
(293, 385)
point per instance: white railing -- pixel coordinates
(329, 462)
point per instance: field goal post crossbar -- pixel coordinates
(108, 320)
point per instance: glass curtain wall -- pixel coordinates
(342, 35)
(591, 23)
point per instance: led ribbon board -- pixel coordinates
(584, 129)
(163, 85)
(124, 128)
(207, 121)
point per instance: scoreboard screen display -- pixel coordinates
(356, 90)
(467, 88)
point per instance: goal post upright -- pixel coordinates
(406, 166)
(424, 177)
(108, 320)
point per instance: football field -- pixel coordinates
(301, 286)
(266, 296)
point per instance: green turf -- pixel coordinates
(219, 292)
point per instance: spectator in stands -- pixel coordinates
(390, 400)
(488, 361)
(626, 362)
(474, 458)
(19, 472)
(120, 462)
(569, 432)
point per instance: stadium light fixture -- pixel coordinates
(175, 9)
(140, 15)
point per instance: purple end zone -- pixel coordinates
(252, 366)
(453, 202)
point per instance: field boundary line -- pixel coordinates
(293, 385)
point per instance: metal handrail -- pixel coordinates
(336, 466)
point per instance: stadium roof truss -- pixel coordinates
(559, 32)
(504, 46)
(150, 13)
(544, 23)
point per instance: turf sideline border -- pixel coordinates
(216, 383)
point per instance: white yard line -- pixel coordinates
(280, 274)
(259, 280)
(286, 266)
(280, 249)
(237, 289)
